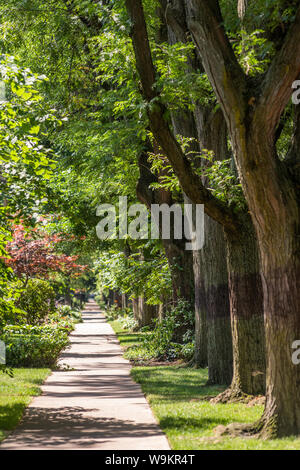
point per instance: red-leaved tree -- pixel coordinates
(34, 254)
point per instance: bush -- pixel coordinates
(37, 301)
(128, 322)
(77, 303)
(99, 299)
(34, 346)
(69, 312)
(113, 313)
(160, 344)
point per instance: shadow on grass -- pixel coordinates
(10, 415)
(201, 422)
(179, 383)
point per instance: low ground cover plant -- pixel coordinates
(168, 339)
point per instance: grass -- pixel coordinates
(178, 398)
(132, 342)
(127, 338)
(16, 393)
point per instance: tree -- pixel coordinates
(205, 129)
(25, 165)
(33, 255)
(253, 115)
(243, 269)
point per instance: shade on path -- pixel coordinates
(96, 405)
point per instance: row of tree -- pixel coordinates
(187, 101)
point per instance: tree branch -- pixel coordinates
(220, 63)
(190, 182)
(277, 86)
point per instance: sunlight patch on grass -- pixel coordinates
(179, 399)
(16, 393)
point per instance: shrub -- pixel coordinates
(70, 312)
(34, 346)
(160, 344)
(128, 322)
(77, 303)
(37, 301)
(113, 313)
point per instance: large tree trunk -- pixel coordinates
(282, 324)
(246, 306)
(275, 211)
(213, 289)
(144, 313)
(219, 336)
(201, 347)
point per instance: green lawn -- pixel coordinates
(125, 337)
(16, 394)
(179, 399)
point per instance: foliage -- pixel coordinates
(32, 253)
(220, 176)
(175, 78)
(222, 180)
(253, 51)
(29, 346)
(158, 343)
(135, 274)
(70, 312)
(25, 164)
(9, 295)
(63, 326)
(37, 301)
(124, 317)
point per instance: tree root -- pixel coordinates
(262, 429)
(236, 430)
(233, 395)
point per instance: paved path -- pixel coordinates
(95, 406)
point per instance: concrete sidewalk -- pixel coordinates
(95, 406)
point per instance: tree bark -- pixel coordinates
(246, 305)
(272, 193)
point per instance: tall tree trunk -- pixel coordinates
(277, 221)
(219, 336)
(144, 313)
(246, 306)
(201, 307)
(212, 135)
